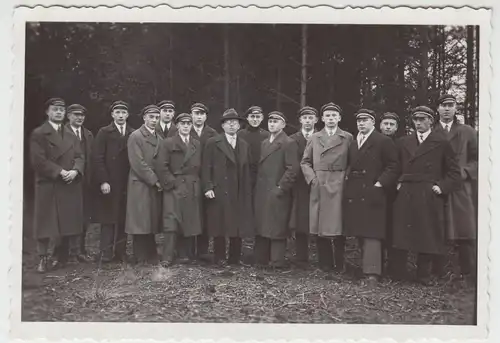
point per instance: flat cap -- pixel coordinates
(446, 98)
(276, 115)
(330, 107)
(150, 109)
(422, 110)
(364, 112)
(183, 117)
(254, 109)
(230, 113)
(54, 102)
(390, 115)
(119, 104)
(166, 104)
(76, 109)
(199, 106)
(307, 110)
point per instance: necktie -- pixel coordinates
(307, 135)
(233, 142)
(78, 134)
(186, 141)
(447, 127)
(421, 138)
(121, 130)
(59, 130)
(361, 139)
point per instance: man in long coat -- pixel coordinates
(389, 125)
(76, 117)
(166, 127)
(299, 219)
(110, 168)
(201, 132)
(58, 163)
(373, 170)
(429, 172)
(460, 215)
(253, 134)
(144, 189)
(178, 167)
(227, 184)
(324, 166)
(276, 175)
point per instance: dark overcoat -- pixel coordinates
(299, 218)
(178, 168)
(88, 191)
(58, 205)
(418, 219)
(226, 171)
(143, 198)
(169, 133)
(254, 137)
(110, 164)
(460, 210)
(276, 175)
(206, 133)
(364, 204)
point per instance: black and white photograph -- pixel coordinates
(253, 171)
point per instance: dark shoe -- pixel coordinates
(42, 265)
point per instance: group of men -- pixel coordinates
(178, 176)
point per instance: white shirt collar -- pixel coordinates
(150, 130)
(183, 138)
(162, 125)
(366, 135)
(425, 134)
(198, 130)
(444, 124)
(331, 132)
(54, 125)
(124, 126)
(229, 137)
(304, 132)
(76, 129)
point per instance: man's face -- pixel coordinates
(365, 124)
(151, 119)
(167, 114)
(119, 115)
(231, 126)
(447, 111)
(56, 113)
(199, 117)
(422, 123)
(331, 118)
(389, 127)
(275, 125)
(184, 127)
(254, 119)
(76, 119)
(307, 121)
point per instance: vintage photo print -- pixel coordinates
(250, 173)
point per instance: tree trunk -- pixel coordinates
(171, 62)
(226, 67)
(422, 93)
(303, 79)
(278, 88)
(470, 108)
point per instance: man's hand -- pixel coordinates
(210, 194)
(63, 174)
(105, 188)
(398, 186)
(158, 187)
(378, 184)
(437, 190)
(70, 176)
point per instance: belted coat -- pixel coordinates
(419, 213)
(324, 165)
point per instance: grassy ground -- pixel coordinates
(200, 293)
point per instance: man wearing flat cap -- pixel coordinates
(324, 165)
(276, 175)
(201, 132)
(58, 162)
(166, 127)
(429, 173)
(389, 124)
(253, 134)
(110, 169)
(373, 169)
(461, 227)
(143, 216)
(299, 219)
(178, 167)
(227, 185)
(76, 114)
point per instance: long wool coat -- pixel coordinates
(143, 198)
(88, 190)
(460, 210)
(178, 168)
(276, 175)
(110, 164)
(418, 219)
(324, 166)
(226, 171)
(206, 133)
(254, 137)
(58, 205)
(299, 219)
(364, 204)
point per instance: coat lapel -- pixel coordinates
(365, 148)
(62, 144)
(428, 145)
(189, 150)
(269, 148)
(159, 131)
(224, 146)
(328, 142)
(150, 138)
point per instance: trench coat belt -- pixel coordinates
(357, 173)
(329, 168)
(185, 172)
(417, 178)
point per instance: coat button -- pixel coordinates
(362, 199)
(350, 200)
